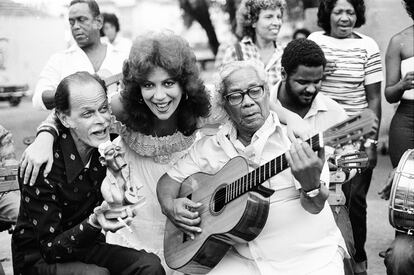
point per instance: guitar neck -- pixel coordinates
(253, 179)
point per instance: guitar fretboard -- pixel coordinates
(256, 177)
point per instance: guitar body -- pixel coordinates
(223, 225)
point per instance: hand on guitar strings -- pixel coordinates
(185, 216)
(305, 164)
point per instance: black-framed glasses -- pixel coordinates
(237, 97)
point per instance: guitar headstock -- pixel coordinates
(356, 160)
(353, 129)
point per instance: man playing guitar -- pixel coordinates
(300, 234)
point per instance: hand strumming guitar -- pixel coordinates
(306, 167)
(181, 211)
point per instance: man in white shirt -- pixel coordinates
(300, 235)
(89, 54)
(303, 64)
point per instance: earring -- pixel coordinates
(140, 100)
(186, 96)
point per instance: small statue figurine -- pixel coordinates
(116, 190)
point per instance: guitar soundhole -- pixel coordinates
(219, 200)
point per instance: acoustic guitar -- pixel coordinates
(236, 206)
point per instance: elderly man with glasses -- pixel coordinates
(300, 235)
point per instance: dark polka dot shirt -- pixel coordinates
(53, 215)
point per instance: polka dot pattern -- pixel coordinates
(59, 206)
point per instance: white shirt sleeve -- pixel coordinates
(49, 79)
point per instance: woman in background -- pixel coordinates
(258, 24)
(353, 79)
(399, 63)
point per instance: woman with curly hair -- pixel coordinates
(164, 99)
(353, 78)
(258, 24)
(399, 62)
(158, 113)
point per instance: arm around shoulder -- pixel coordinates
(39, 152)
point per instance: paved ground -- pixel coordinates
(23, 120)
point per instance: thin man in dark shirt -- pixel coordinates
(57, 230)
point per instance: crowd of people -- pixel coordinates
(147, 99)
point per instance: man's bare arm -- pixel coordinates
(181, 211)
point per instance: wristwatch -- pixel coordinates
(314, 192)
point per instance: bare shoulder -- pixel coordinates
(404, 35)
(403, 42)
(408, 31)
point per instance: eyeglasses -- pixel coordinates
(237, 97)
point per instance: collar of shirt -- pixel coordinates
(71, 157)
(277, 55)
(76, 48)
(253, 151)
(318, 105)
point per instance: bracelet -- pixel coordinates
(320, 185)
(48, 129)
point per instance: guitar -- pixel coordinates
(355, 160)
(236, 206)
(345, 163)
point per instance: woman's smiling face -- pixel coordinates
(161, 93)
(268, 24)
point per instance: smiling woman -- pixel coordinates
(258, 24)
(164, 100)
(163, 90)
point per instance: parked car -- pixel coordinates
(13, 93)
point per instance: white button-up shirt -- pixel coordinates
(322, 115)
(72, 60)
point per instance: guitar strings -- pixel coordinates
(258, 174)
(239, 190)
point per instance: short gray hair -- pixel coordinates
(225, 71)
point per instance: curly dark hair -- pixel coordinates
(172, 53)
(409, 6)
(248, 14)
(325, 10)
(302, 52)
